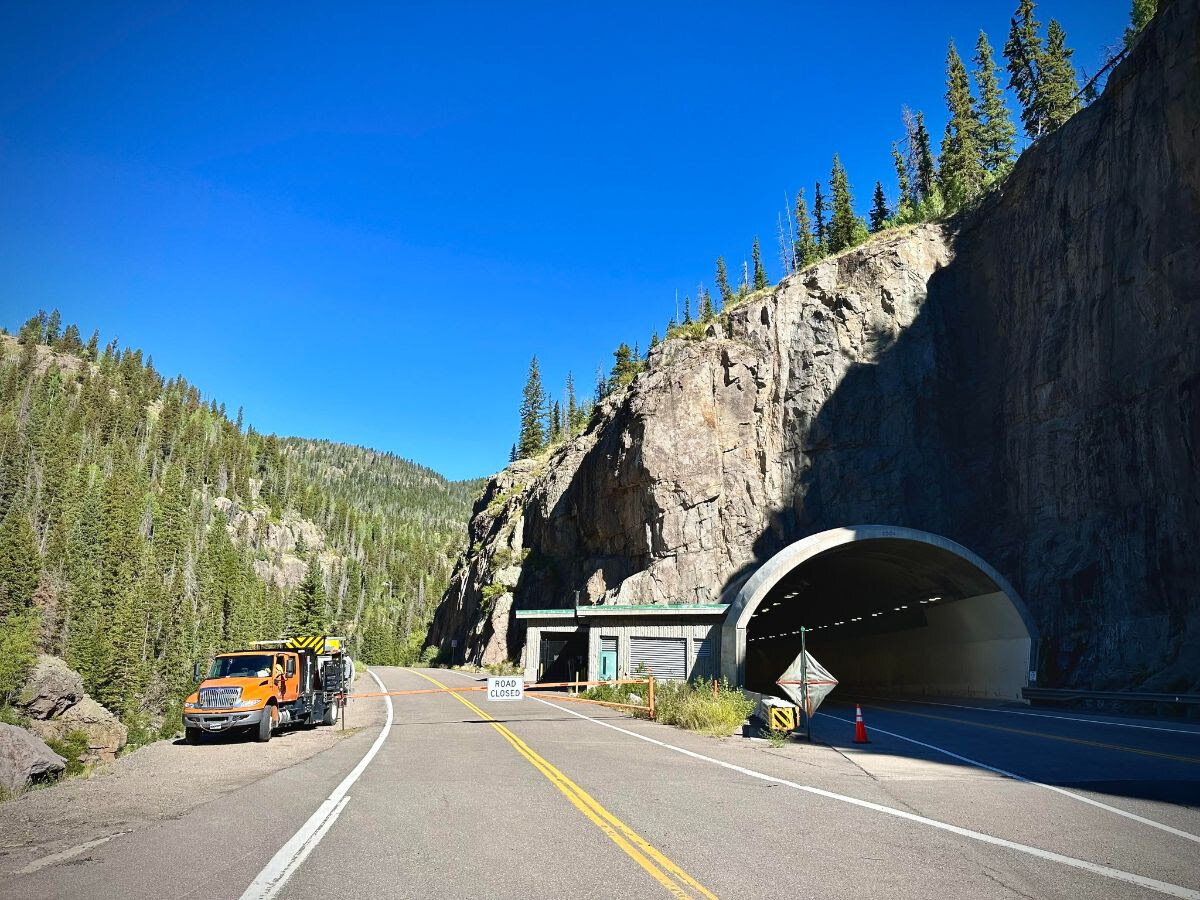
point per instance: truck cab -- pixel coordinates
(273, 684)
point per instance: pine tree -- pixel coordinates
(806, 247)
(34, 329)
(624, 367)
(1023, 51)
(901, 177)
(687, 310)
(723, 287)
(512, 454)
(961, 174)
(1139, 17)
(706, 305)
(926, 167)
(307, 613)
(1059, 86)
(19, 561)
(760, 273)
(556, 427)
(879, 209)
(71, 341)
(574, 417)
(92, 345)
(533, 400)
(53, 325)
(842, 224)
(996, 129)
(654, 340)
(819, 218)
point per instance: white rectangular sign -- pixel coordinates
(506, 687)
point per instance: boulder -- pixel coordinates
(25, 759)
(53, 687)
(105, 733)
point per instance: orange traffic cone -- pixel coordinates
(860, 730)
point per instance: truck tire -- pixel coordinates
(331, 714)
(266, 724)
(192, 735)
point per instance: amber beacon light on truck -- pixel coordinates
(292, 681)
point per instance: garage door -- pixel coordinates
(665, 657)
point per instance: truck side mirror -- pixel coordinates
(291, 666)
(197, 672)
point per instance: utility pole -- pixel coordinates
(804, 684)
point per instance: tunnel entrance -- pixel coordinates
(887, 609)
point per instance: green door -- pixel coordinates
(608, 659)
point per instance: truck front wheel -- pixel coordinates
(192, 736)
(267, 724)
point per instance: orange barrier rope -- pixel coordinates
(608, 703)
(481, 687)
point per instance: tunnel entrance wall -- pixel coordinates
(976, 647)
(986, 644)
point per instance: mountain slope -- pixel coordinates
(1023, 381)
(142, 529)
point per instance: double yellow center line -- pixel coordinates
(678, 882)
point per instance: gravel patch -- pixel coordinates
(159, 781)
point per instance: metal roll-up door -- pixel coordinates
(665, 657)
(705, 664)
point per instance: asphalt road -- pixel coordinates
(547, 803)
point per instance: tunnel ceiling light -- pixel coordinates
(876, 614)
(931, 599)
(856, 619)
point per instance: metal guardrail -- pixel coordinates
(1037, 693)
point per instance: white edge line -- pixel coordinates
(1020, 712)
(1050, 787)
(1162, 887)
(289, 857)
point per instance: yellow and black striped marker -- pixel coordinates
(781, 718)
(316, 644)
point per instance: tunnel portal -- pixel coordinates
(886, 609)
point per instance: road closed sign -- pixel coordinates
(506, 687)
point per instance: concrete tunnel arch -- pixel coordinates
(889, 609)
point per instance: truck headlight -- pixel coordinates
(245, 703)
(188, 704)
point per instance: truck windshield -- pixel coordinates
(240, 667)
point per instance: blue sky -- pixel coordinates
(360, 221)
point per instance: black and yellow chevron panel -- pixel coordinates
(306, 643)
(782, 718)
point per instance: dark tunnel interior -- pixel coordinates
(893, 615)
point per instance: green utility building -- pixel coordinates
(596, 643)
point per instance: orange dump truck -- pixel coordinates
(275, 683)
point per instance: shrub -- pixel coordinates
(689, 705)
(70, 747)
(694, 707)
(428, 656)
(504, 668)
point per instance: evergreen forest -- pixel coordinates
(143, 528)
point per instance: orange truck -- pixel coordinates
(297, 681)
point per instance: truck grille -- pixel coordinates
(219, 697)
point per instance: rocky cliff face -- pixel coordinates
(1025, 381)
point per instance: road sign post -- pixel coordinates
(506, 687)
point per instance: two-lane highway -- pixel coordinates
(453, 796)
(537, 799)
